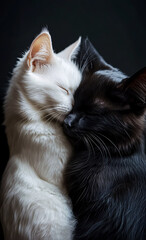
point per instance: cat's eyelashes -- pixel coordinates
(64, 89)
(67, 92)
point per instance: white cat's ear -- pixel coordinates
(69, 52)
(41, 51)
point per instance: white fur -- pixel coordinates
(34, 203)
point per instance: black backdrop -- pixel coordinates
(117, 28)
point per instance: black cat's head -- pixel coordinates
(109, 106)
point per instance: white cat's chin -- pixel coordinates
(62, 118)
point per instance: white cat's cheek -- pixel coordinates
(71, 102)
(69, 107)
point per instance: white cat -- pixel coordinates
(34, 203)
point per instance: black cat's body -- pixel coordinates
(106, 177)
(108, 199)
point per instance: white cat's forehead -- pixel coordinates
(63, 72)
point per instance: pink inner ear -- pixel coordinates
(40, 50)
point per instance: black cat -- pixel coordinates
(106, 177)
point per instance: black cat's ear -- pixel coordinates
(88, 59)
(135, 88)
(71, 51)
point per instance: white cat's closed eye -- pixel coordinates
(64, 89)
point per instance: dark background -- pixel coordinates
(116, 28)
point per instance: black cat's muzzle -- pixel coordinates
(69, 121)
(70, 125)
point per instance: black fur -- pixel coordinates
(106, 177)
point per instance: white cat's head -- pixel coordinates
(50, 80)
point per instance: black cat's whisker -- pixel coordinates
(111, 143)
(125, 130)
(100, 149)
(100, 143)
(103, 143)
(90, 142)
(88, 146)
